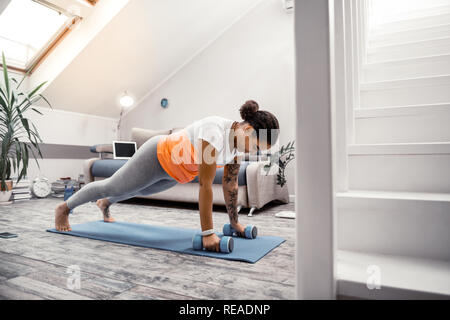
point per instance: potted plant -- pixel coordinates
(13, 127)
(281, 158)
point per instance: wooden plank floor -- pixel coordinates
(35, 265)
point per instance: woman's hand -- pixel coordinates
(211, 242)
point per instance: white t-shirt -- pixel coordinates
(216, 131)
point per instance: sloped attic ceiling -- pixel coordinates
(140, 47)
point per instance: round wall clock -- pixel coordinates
(164, 103)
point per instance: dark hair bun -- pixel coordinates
(249, 109)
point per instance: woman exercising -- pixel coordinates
(165, 160)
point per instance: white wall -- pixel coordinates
(253, 59)
(68, 128)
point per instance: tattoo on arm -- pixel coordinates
(230, 188)
(233, 169)
(231, 205)
(232, 173)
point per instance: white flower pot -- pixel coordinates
(6, 195)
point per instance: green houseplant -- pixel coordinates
(281, 158)
(14, 127)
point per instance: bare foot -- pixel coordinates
(104, 204)
(62, 217)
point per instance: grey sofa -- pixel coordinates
(255, 187)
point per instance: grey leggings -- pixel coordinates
(140, 176)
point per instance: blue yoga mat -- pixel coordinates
(170, 238)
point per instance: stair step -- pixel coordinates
(412, 224)
(389, 195)
(424, 18)
(411, 35)
(409, 50)
(400, 277)
(414, 167)
(423, 90)
(431, 148)
(407, 68)
(418, 128)
(419, 124)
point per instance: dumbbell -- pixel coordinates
(250, 231)
(226, 243)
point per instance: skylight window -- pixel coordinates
(26, 30)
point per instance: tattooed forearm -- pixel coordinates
(231, 173)
(231, 203)
(230, 190)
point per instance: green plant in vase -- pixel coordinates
(14, 127)
(281, 158)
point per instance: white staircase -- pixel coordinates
(396, 211)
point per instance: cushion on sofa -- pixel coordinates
(105, 168)
(140, 136)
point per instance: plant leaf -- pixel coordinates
(36, 132)
(37, 111)
(31, 94)
(5, 75)
(45, 99)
